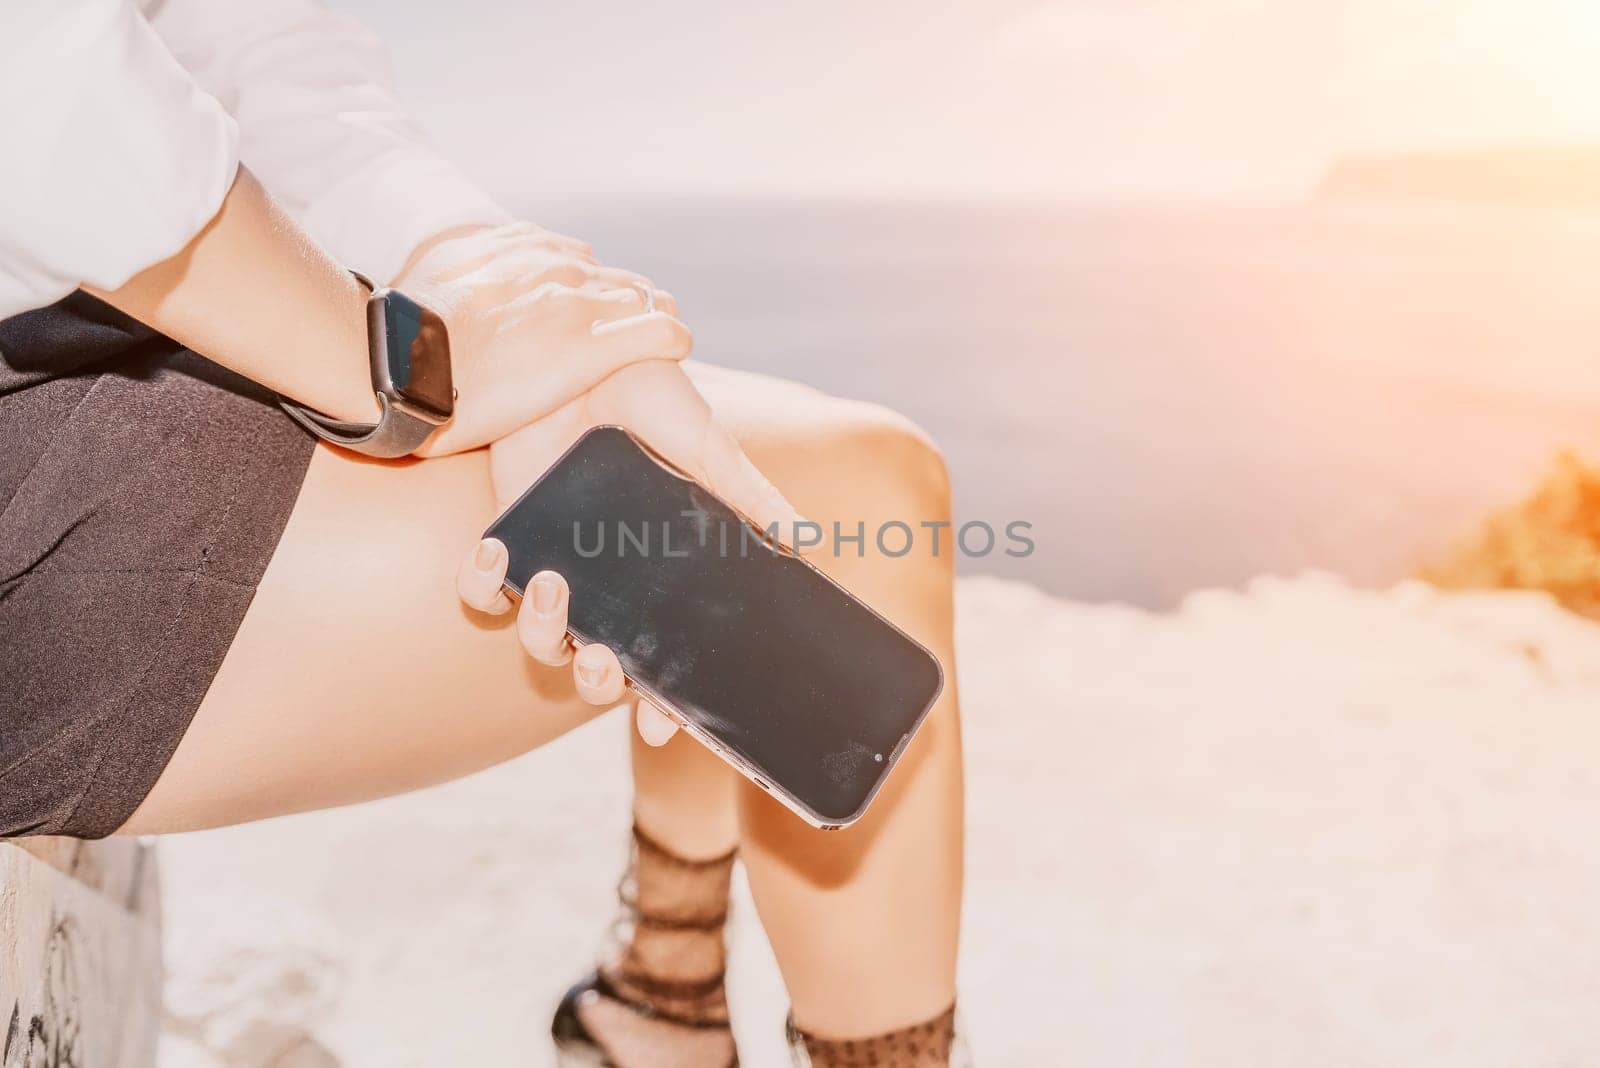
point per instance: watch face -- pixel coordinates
(419, 354)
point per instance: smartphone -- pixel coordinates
(800, 686)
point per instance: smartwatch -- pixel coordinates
(410, 353)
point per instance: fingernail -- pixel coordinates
(487, 555)
(546, 594)
(591, 674)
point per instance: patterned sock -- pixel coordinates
(930, 1044)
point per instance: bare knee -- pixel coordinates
(903, 463)
(854, 463)
(829, 454)
(881, 479)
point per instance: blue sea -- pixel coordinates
(1174, 395)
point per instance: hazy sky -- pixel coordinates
(940, 97)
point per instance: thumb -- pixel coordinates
(737, 480)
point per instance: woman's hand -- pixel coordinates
(542, 629)
(657, 402)
(534, 323)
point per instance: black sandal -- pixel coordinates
(577, 1047)
(695, 1005)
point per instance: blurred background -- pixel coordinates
(1200, 289)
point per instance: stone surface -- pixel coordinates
(80, 954)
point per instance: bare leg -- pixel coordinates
(658, 998)
(864, 921)
(357, 673)
(685, 798)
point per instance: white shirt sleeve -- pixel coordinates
(321, 127)
(111, 157)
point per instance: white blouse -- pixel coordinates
(122, 124)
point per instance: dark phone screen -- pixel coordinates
(419, 361)
(764, 654)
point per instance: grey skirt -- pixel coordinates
(142, 492)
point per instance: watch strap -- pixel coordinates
(396, 433)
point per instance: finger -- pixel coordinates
(653, 725)
(481, 577)
(618, 278)
(652, 336)
(598, 675)
(548, 292)
(609, 304)
(571, 273)
(630, 297)
(542, 619)
(580, 299)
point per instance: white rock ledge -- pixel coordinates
(1298, 824)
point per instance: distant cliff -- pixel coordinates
(1554, 177)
